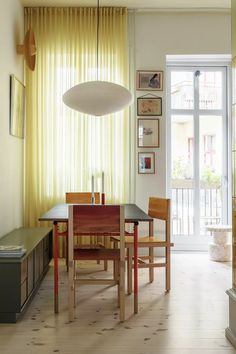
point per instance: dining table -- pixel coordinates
(132, 214)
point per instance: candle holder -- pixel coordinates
(93, 199)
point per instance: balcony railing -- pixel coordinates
(183, 207)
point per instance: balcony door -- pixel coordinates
(199, 178)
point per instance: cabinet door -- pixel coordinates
(46, 251)
(23, 292)
(38, 256)
(36, 265)
(23, 286)
(30, 273)
(24, 270)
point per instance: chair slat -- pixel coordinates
(82, 197)
(159, 208)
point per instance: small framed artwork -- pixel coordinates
(17, 107)
(148, 132)
(149, 106)
(149, 80)
(146, 162)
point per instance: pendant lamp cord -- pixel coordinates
(97, 36)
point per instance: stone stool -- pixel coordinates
(220, 248)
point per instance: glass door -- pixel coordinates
(198, 151)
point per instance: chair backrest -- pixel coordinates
(159, 208)
(96, 219)
(82, 197)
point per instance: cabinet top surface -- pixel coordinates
(27, 237)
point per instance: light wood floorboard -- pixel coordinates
(191, 319)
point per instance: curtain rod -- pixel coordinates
(186, 9)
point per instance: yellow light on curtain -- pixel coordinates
(64, 148)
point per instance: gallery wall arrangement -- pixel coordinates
(149, 109)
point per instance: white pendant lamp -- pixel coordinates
(97, 98)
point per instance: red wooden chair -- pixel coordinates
(86, 198)
(106, 220)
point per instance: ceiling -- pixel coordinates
(136, 4)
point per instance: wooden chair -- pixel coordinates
(107, 220)
(158, 208)
(84, 198)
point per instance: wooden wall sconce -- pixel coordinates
(28, 49)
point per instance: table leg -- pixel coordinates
(55, 257)
(136, 267)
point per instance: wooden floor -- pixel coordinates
(191, 319)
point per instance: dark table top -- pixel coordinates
(60, 213)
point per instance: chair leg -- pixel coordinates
(106, 244)
(129, 270)
(66, 251)
(115, 271)
(151, 260)
(74, 285)
(115, 265)
(167, 252)
(71, 296)
(117, 278)
(122, 290)
(105, 265)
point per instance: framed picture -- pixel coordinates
(146, 162)
(149, 80)
(148, 132)
(149, 106)
(17, 107)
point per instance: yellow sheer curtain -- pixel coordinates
(63, 148)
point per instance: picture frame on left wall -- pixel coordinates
(17, 107)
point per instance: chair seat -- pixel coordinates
(89, 246)
(145, 241)
(96, 254)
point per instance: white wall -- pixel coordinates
(157, 35)
(11, 148)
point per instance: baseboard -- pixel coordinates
(230, 336)
(230, 331)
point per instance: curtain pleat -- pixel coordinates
(64, 148)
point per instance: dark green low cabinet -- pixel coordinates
(20, 277)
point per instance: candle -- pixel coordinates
(103, 194)
(102, 182)
(92, 186)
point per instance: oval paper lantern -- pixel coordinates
(97, 98)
